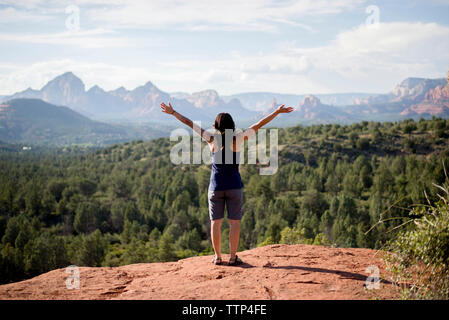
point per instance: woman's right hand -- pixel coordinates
(283, 109)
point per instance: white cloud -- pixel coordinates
(95, 38)
(11, 15)
(206, 14)
(260, 15)
(27, 4)
(360, 59)
(389, 52)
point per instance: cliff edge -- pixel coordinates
(270, 272)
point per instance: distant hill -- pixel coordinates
(310, 111)
(35, 121)
(262, 100)
(5, 146)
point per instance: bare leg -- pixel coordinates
(234, 235)
(215, 227)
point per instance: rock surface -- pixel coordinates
(269, 272)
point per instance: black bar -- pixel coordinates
(214, 309)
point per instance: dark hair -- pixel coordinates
(224, 121)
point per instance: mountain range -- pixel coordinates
(63, 111)
(142, 103)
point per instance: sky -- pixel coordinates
(232, 46)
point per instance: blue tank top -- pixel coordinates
(225, 176)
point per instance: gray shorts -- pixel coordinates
(233, 198)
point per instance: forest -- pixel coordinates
(337, 185)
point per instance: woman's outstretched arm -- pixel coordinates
(200, 131)
(253, 129)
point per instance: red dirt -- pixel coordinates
(270, 272)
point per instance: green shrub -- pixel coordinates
(419, 258)
(269, 240)
(362, 144)
(294, 236)
(321, 240)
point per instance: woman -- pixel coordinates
(225, 187)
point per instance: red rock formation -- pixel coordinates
(438, 95)
(436, 102)
(270, 272)
(310, 101)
